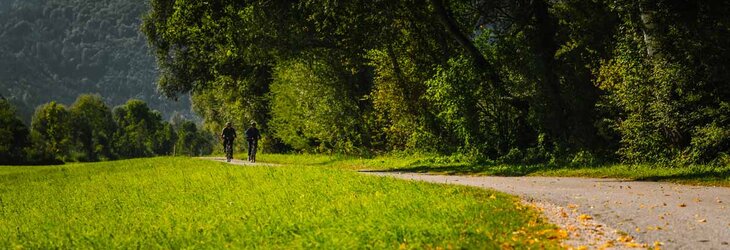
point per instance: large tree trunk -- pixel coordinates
(549, 83)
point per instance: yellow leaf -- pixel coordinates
(584, 217)
(657, 244)
(625, 238)
(608, 244)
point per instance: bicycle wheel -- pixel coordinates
(229, 152)
(253, 152)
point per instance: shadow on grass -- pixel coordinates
(701, 175)
(704, 174)
(474, 168)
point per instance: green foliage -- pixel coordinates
(516, 81)
(13, 135)
(191, 203)
(142, 132)
(671, 103)
(56, 50)
(191, 141)
(397, 95)
(52, 128)
(90, 131)
(310, 109)
(93, 127)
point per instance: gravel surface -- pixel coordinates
(600, 213)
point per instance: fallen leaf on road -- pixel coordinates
(584, 217)
(682, 205)
(608, 244)
(702, 220)
(657, 245)
(625, 238)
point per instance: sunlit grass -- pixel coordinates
(191, 203)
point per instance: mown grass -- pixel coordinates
(693, 175)
(192, 203)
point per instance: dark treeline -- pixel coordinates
(89, 130)
(59, 49)
(517, 81)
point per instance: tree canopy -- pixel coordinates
(526, 80)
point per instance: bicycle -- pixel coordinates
(229, 151)
(252, 145)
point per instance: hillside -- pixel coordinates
(58, 49)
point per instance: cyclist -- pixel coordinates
(252, 136)
(228, 135)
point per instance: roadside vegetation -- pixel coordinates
(706, 175)
(190, 203)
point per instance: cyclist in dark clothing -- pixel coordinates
(228, 135)
(252, 136)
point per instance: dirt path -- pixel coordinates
(673, 216)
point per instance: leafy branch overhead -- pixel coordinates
(525, 81)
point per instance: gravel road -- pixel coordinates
(671, 215)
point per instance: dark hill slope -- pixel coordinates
(58, 49)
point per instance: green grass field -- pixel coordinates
(193, 203)
(693, 175)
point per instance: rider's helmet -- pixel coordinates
(253, 123)
(228, 124)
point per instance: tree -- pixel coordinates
(13, 135)
(141, 131)
(52, 126)
(93, 127)
(191, 141)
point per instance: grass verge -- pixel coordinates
(192, 203)
(693, 175)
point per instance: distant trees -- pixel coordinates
(51, 127)
(14, 138)
(93, 128)
(89, 130)
(193, 141)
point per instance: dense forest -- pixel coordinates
(524, 81)
(88, 130)
(54, 50)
